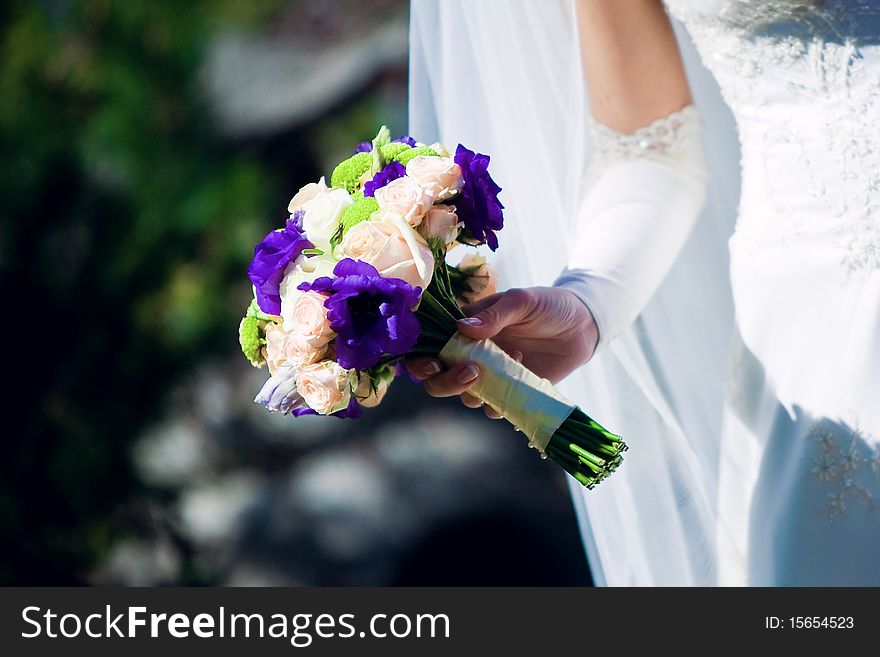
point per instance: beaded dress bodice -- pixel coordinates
(803, 80)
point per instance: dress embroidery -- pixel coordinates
(847, 465)
(771, 57)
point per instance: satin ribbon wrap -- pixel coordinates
(528, 402)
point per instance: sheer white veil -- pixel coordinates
(504, 77)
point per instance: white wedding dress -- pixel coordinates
(799, 492)
(749, 388)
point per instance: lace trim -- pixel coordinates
(663, 138)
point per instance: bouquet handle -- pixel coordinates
(531, 404)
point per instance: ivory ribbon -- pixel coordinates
(528, 402)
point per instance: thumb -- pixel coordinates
(510, 307)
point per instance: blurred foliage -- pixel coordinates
(126, 227)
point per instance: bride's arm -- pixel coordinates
(644, 192)
(631, 62)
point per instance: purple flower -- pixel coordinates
(279, 394)
(271, 256)
(372, 315)
(297, 219)
(367, 146)
(392, 171)
(352, 411)
(477, 204)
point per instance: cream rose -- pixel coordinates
(305, 318)
(325, 386)
(283, 348)
(366, 395)
(392, 246)
(322, 215)
(440, 149)
(406, 197)
(306, 194)
(481, 279)
(441, 221)
(440, 176)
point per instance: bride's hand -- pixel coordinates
(548, 329)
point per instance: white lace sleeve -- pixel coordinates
(642, 194)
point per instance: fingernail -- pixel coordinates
(471, 321)
(468, 374)
(431, 368)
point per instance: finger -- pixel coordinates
(491, 413)
(423, 368)
(474, 308)
(470, 401)
(516, 354)
(454, 381)
(511, 307)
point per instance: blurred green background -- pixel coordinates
(145, 147)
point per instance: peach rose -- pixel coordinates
(305, 317)
(481, 280)
(392, 246)
(406, 197)
(325, 386)
(366, 395)
(305, 194)
(442, 222)
(440, 176)
(282, 349)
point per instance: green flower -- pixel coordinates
(359, 211)
(393, 150)
(252, 336)
(347, 173)
(405, 156)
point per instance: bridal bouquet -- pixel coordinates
(357, 279)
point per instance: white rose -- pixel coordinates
(305, 269)
(406, 197)
(392, 246)
(326, 386)
(440, 176)
(322, 215)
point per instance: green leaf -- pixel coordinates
(312, 252)
(382, 138)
